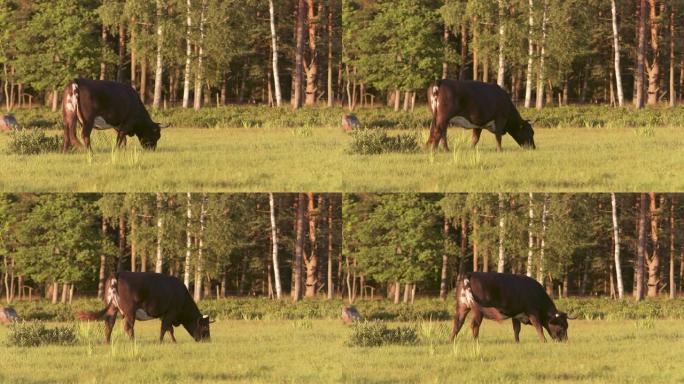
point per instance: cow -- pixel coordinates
(104, 104)
(475, 105)
(145, 296)
(500, 296)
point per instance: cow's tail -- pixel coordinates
(72, 111)
(111, 299)
(433, 99)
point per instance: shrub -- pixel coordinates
(375, 334)
(377, 141)
(35, 333)
(32, 142)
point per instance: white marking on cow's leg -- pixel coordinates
(434, 102)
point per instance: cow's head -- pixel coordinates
(558, 326)
(527, 135)
(150, 135)
(201, 332)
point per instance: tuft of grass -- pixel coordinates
(376, 334)
(32, 142)
(36, 333)
(378, 141)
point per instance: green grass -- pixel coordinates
(260, 149)
(317, 351)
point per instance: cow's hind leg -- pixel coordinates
(534, 319)
(129, 323)
(475, 137)
(475, 324)
(110, 319)
(437, 132)
(85, 133)
(516, 329)
(459, 319)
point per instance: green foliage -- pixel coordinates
(376, 334)
(32, 142)
(36, 333)
(378, 141)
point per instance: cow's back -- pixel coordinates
(161, 294)
(511, 293)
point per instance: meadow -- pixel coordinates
(314, 351)
(248, 148)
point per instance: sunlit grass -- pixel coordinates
(316, 351)
(310, 152)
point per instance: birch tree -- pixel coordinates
(276, 73)
(616, 246)
(188, 242)
(188, 56)
(274, 242)
(200, 58)
(530, 54)
(160, 60)
(616, 54)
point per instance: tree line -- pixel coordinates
(191, 53)
(544, 52)
(573, 244)
(54, 245)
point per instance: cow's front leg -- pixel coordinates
(166, 326)
(475, 324)
(498, 142)
(475, 137)
(120, 139)
(459, 320)
(534, 319)
(516, 329)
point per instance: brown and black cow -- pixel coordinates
(104, 104)
(145, 296)
(500, 296)
(477, 106)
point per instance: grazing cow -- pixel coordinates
(499, 296)
(475, 105)
(145, 296)
(103, 104)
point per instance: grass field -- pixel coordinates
(269, 152)
(315, 351)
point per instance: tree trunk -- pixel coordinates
(134, 242)
(199, 73)
(464, 52)
(55, 100)
(55, 292)
(122, 53)
(542, 53)
(299, 56)
(475, 46)
(276, 74)
(143, 79)
(156, 103)
(311, 66)
(103, 42)
(641, 52)
(530, 54)
(616, 247)
(616, 53)
(274, 241)
(299, 247)
(475, 247)
(673, 92)
(311, 261)
(641, 248)
(200, 264)
(188, 242)
(445, 42)
(542, 240)
(445, 263)
(464, 244)
(160, 231)
(502, 40)
(653, 67)
(331, 285)
(653, 261)
(502, 232)
(103, 259)
(331, 93)
(188, 57)
(530, 238)
(673, 287)
(134, 52)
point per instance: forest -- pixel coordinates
(574, 244)
(352, 246)
(58, 245)
(190, 53)
(195, 53)
(544, 52)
